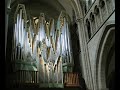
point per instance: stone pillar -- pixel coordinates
(86, 68)
(7, 7)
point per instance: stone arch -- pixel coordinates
(111, 80)
(77, 8)
(110, 69)
(104, 46)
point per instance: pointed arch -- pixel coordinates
(106, 42)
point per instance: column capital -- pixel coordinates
(78, 19)
(8, 10)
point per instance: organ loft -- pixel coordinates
(67, 44)
(41, 50)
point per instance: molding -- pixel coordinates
(79, 19)
(8, 10)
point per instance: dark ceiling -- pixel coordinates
(51, 8)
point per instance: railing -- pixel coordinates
(71, 79)
(25, 78)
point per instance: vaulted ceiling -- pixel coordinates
(51, 8)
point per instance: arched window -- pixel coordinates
(88, 28)
(93, 25)
(103, 9)
(102, 4)
(97, 15)
(96, 10)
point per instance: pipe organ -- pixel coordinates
(42, 46)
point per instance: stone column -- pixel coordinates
(86, 68)
(7, 7)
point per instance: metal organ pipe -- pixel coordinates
(69, 45)
(35, 46)
(20, 26)
(18, 37)
(42, 32)
(60, 74)
(19, 33)
(66, 44)
(15, 40)
(30, 41)
(22, 34)
(38, 33)
(58, 45)
(24, 40)
(17, 28)
(26, 43)
(61, 68)
(65, 34)
(62, 41)
(52, 29)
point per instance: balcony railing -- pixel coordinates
(71, 79)
(25, 78)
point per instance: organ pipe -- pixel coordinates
(70, 55)
(44, 42)
(22, 36)
(20, 25)
(17, 30)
